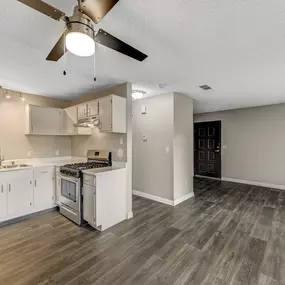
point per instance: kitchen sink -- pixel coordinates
(14, 166)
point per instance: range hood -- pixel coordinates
(90, 122)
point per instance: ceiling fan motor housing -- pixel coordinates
(81, 24)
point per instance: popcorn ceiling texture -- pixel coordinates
(236, 47)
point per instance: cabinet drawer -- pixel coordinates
(89, 180)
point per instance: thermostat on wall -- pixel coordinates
(143, 109)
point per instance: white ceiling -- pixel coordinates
(236, 47)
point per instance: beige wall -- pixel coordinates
(253, 141)
(152, 166)
(13, 141)
(167, 124)
(101, 141)
(183, 146)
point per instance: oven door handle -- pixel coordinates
(69, 178)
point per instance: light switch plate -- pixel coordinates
(143, 109)
(57, 152)
(121, 140)
(120, 152)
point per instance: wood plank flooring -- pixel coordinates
(229, 234)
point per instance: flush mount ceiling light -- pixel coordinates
(138, 94)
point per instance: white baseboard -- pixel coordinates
(208, 177)
(153, 197)
(183, 198)
(130, 215)
(255, 183)
(163, 200)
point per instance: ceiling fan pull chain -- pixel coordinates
(64, 57)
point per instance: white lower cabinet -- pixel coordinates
(44, 188)
(57, 189)
(89, 202)
(3, 198)
(20, 192)
(26, 191)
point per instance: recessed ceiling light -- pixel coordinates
(138, 94)
(205, 87)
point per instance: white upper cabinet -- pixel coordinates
(82, 111)
(43, 120)
(113, 114)
(70, 118)
(44, 188)
(93, 108)
(88, 109)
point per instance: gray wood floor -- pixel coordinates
(228, 234)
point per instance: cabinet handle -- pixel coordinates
(2, 189)
(35, 183)
(9, 187)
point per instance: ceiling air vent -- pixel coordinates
(205, 87)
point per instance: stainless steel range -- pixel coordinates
(71, 205)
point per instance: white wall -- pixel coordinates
(164, 162)
(255, 140)
(183, 146)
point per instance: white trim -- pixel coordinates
(130, 215)
(281, 187)
(153, 197)
(183, 198)
(164, 200)
(208, 177)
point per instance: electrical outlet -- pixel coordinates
(167, 149)
(29, 153)
(121, 140)
(57, 152)
(120, 153)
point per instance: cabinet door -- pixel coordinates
(3, 199)
(105, 112)
(70, 119)
(89, 202)
(93, 108)
(44, 188)
(57, 189)
(45, 120)
(20, 192)
(82, 111)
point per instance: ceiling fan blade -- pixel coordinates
(58, 50)
(97, 9)
(110, 41)
(44, 8)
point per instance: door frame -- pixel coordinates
(220, 156)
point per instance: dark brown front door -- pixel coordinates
(207, 149)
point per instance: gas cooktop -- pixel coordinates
(75, 169)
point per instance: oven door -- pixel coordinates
(70, 192)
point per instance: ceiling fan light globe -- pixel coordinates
(80, 44)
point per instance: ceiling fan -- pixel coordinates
(80, 35)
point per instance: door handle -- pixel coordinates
(217, 150)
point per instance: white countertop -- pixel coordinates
(44, 162)
(96, 171)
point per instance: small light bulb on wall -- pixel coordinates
(7, 95)
(138, 94)
(22, 98)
